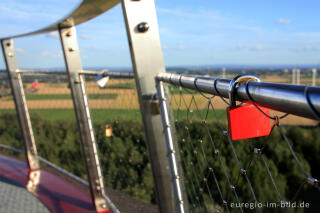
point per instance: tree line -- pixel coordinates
(126, 166)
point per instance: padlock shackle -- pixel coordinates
(242, 79)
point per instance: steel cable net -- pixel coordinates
(275, 173)
(53, 121)
(10, 136)
(120, 137)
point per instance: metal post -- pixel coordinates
(224, 72)
(298, 76)
(293, 76)
(147, 60)
(20, 103)
(77, 85)
(171, 148)
(314, 76)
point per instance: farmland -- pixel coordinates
(52, 101)
(124, 157)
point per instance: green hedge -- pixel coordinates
(126, 167)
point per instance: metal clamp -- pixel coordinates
(240, 79)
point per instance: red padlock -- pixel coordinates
(246, 121)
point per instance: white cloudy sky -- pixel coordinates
(192, 32)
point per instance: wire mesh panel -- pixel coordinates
(10, 134)
(274, 173)
(53, 120)
(117, 100)
(120, 137)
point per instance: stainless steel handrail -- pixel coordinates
(105, 73)
(85, 11)
(281, 97)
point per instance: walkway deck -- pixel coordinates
(15, 198)
(53, 193)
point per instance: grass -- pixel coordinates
(98, 115)
(128, 85)
(202, 114)
(177, 90)
(33, 97)
(103, 115)
(103, 96)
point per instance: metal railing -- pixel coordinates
(142, 31)
(147, 61)
(293, 99)
(209, 178)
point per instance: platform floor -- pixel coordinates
(16, 199)
(53, 194)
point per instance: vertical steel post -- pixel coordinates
(314, 76)
(20, 103)
(172, 149)
(298, 76)
(72, 58)
(293, 76)
(147, 60)
(224, 72)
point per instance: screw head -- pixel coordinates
(143, 27)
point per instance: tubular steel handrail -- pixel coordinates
(104, 73)
(293, 99)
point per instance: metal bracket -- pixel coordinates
(241, 79)
(20, 103)
(153, 102)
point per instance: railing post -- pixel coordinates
(147, 61)
(72, 58)
(20, 103)
(294, 78)
(314, 76)
(172, 148)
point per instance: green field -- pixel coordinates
(32, 97)
(41, 97)
(127, 85)
(103, 115)
(98, 115)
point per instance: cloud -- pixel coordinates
(210, 15)
(18, 10)
(284, 21)
(96, 48)
(254, 29)
(84, 37)
(249, 47)
(259, 47)
(306, 48)
(13, 12)
(53, 34)
(309, 34)
(20, 50)
(179, 47)
(47, 53)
